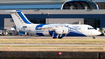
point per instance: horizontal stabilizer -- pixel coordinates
(18, 17)
(11, 11)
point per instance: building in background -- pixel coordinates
(100, 3)
(61, 11)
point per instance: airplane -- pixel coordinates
(53, 30)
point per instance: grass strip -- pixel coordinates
(51, 48)
(53, 41)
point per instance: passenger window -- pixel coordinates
(24, 26)
(90, 28)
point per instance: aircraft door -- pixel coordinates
(84, 30)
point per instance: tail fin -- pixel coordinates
(18, 17)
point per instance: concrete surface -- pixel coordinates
(47, 37)
(95, 45)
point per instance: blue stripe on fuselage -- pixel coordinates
(40, 25)
(51, 32)
(74, 32)
(22, 17)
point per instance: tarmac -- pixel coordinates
(49, 54)
(48, 37)
(94, 45)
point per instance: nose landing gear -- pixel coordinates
(93, 37)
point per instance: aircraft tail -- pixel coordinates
(18, 17)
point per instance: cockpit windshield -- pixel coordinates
(91, 29)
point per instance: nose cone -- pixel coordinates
(99, 33)
(95, 33)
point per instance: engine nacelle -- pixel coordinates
(62, 30)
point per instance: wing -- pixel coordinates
(51, 27)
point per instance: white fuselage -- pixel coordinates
(54, 30)
(74, 30)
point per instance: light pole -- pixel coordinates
(48, 16)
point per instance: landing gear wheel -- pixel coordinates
(60, 37)
(93, 37)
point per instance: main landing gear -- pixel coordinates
(57, 37)
(93, 37)
(60, 37)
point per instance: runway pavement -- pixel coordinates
(47, 37)
(50, 46)
(95, 45)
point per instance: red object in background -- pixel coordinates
(60, 53)
(8, 47)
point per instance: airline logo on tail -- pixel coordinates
(22, 16)
(19, 18)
